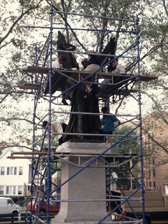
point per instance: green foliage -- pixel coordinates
(130, 145)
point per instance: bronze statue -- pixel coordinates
(84, 100)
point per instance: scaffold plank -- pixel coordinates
(22, 157)
(75, 154)
(104, 75)
(34, 86)
(36, 69)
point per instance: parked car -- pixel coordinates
(7, 206)
(41, 207)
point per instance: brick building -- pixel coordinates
(155, 145)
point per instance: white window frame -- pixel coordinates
(2, 170)
(8, 171)
(7, 190)
(14, 190)
(2, 190)
(20, 170)
(15, 170)
(20, 190)
(11, 170)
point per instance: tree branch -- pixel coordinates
(165, 7)
(154, 140)
(68, 26)
(7, 120)
(151, 51)
(157, 106)
(15, 145)
(4, 97)
(18, 19)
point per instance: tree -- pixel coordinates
(125, 168)
(20, 14)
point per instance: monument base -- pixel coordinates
(83, 196)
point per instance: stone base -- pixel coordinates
(88, 185)
(83, 147)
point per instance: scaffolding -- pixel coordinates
(45, 155)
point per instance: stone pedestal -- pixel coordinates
(89, 185)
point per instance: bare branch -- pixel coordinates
(6, 95)
(15, 119)
(157, 106)
(15, 145)
(68, 26)
(5, 44)
(163, 86)
(152, 138)
(165, 7)
(157, 143)
(151, 51)
(18, 19)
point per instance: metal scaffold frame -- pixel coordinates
(41, 160)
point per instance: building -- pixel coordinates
(155, 142)
(15, 174)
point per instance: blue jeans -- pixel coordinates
(103, 85)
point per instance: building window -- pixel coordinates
(150, 184)
(19, 189)
(154, 184)
(20, 170)
(149, 173)
(1, 190)
(10, 189)
(2, 170)
(11, 170)
(14, 190)
(15, 170)
(8, 168)
(7, 189)
(154, 173)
